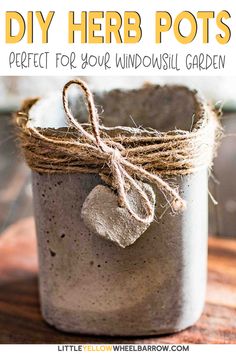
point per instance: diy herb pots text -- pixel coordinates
(98, 27)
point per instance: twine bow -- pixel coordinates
(121, 169)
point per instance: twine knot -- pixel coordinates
(115, 155)
(122, 170)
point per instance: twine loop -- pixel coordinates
(117, 163)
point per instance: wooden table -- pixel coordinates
(21, 321)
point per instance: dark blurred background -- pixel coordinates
(15, 188)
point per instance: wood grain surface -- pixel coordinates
(21, 321)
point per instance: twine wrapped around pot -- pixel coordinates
(122, 155)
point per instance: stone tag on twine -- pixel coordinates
(102, 214)
(124, 217)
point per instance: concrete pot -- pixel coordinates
(90, 285)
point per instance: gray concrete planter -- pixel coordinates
(155, 286)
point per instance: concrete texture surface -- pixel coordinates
(90, 285)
